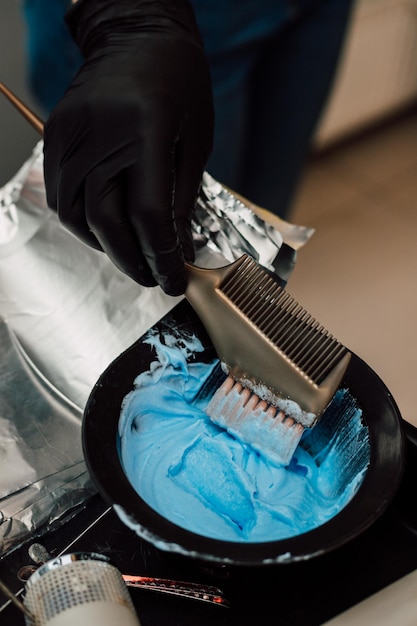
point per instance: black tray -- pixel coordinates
(303, 594)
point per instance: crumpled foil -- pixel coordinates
(66, 312)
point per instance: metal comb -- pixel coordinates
(283, 366)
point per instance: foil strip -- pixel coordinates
(43, 475)
(66, 312)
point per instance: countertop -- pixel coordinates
(302, 594)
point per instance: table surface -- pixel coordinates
(302, 594)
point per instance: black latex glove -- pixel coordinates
(126, 146)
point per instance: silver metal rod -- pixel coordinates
(9, 594)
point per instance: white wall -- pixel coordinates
(378, 73)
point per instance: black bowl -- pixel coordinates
(101, 449)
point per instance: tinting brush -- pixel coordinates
(30, 116)
(283, 367)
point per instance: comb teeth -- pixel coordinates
(282, 320)
(267, 341)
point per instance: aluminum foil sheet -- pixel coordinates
(66, 312)
(43, 476)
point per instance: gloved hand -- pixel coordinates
(125, 148)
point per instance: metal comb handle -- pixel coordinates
(31, 117)
(184, 589)
(193, 591)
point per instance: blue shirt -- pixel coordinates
(225, 25)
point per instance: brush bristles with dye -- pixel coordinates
(255, 422)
